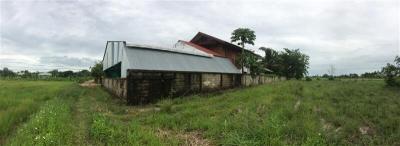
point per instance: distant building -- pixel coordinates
(44, 74)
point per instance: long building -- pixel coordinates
(142, 74)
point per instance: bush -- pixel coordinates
(331, 78)
(308, 79)
(391, 75)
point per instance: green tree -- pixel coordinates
(392, 73)
(83, 73)
(288, 63)
(97, 71)
(294, 63)
(271, 58)
(243, 36)
(251, 62)
(7, 72)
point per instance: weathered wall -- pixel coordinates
(248, 80)
(117, 87)
(145, 87)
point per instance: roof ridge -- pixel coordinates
(203, 49)
(166, 49)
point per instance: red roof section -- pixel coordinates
(202, 49)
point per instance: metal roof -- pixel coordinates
(209, 51)
(141, 58)
(200, 37)
(177, 50)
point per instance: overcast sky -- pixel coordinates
(354, 36)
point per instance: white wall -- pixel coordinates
(113, 54)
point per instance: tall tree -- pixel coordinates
(243, 36)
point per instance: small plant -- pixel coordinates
(99, 129)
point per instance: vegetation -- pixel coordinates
(54, 75)
(251, 62)
(20, 99)
(287, 63)
(392, 73)
(374, 74)
(7, 72)
(97, 71)
(347, 112)
(245, 36)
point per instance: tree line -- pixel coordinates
(5, 72)
(290, 63)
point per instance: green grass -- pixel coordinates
(52, 125)
(328, 112)
(19, 99)
(347, 112)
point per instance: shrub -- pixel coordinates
(308, 79)
(391, 75)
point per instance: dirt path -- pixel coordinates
(81, 121)
(89, 84)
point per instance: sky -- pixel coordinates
(353, 36)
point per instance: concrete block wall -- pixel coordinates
(248, 80)
(211, 81)
(116, 86)
(144, 87)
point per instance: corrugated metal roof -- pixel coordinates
(152, 59)
(209, 51)
(177, 50)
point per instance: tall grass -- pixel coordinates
(348, 112)
(53, 124)
(289, 113)
(19, 99)
(108, 128)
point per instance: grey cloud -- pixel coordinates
(64, 61)
(356, 36)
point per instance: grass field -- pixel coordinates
(284, 113)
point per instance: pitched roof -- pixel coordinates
(209, 51)
(145, 58)
(199, 35)
(186, 51)
(199, 38)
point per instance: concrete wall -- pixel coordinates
(145, 87)
(248, 80)
(117, 87)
